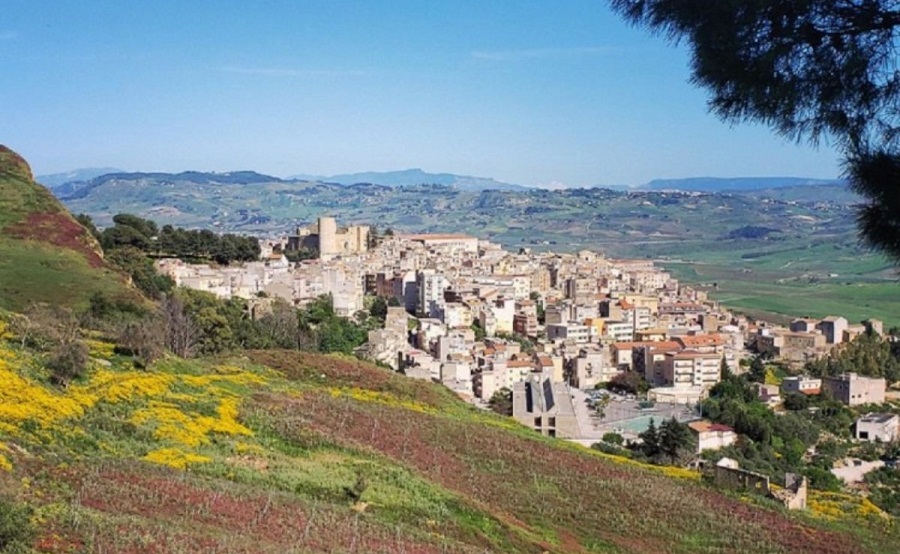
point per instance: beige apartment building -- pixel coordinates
(691, 369)
(853, 389)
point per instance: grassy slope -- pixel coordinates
(233, 456)
(45, 255)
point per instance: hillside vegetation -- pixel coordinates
(281, 451)
(45, 255)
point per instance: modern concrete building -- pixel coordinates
(802, 384)
(525, 324)
(569, 331)
(545, 406)
(853, 390)
(621, 331)
(430, 287)
(649, 359)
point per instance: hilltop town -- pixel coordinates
(479, 319)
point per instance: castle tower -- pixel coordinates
(327, 237)
(362, 238)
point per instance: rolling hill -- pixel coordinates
(279, 451)
(411, 177)
(45, 255)
(54, 180)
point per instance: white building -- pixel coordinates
(430, 288)
(877, 427)
(712, 436)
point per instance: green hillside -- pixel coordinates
(45, 255)
(282, 451)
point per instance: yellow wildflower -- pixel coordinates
(173, 457)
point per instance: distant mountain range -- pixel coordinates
(408, 177)
(54, 180)
(68, 183)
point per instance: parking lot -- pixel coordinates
(623, 415)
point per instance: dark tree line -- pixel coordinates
(222, 249)
(131, 231)
(132, 243)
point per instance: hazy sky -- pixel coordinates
(531, 92)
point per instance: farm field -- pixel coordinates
(782, 284)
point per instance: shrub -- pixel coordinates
(16, 530)
(613, 438)
(68, 361)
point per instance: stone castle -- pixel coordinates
(329, 240)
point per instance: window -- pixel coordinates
(864, 435)
(551, 422)
(537, 422)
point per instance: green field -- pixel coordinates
(793, 282)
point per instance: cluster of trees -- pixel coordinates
(627, 382)
(131, 231)
(868, 354)
(671, 443)
(774, 444)
(323, 330)
(884, 487)
(192, 323)
(187, 323)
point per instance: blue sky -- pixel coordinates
(531, 92)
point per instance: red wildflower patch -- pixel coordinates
(334, 371)
(58, 230)
(583, 499)
(184, 514)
